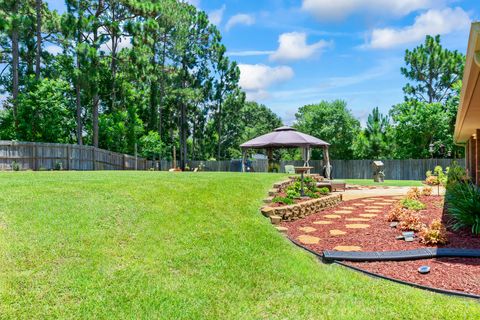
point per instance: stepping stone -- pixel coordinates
(307, 229)
(372, 210)
(357, 226)
(368, 200)
(337, 232)
(305, 239)
(389, 200)
(359, 204)
(382, 203)
(322, 222)
(357, 219)
(343, 211)
(348, 248)
(367, 215)
(373, 207)
(332, 216)
(281, 229)
(348, 208)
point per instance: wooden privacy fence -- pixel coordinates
(409, 169)
(47, 156)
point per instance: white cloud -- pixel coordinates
(432, 22)
(256, 78)
(241, 18)
(293, 46)
(249, 53)
(340, 9)
(124, 42)
(216, 16)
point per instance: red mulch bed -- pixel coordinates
(458, 274)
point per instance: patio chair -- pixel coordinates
(289, 169)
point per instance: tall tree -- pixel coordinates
(332, 122)
(433, 71)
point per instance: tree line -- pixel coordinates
(154, 76)
(122, 74)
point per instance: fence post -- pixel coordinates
(34, 156)
(68, 157)
(94, 165)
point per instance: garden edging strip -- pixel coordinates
(375, 275)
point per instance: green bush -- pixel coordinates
(413, 204)
(463, 203)
(456, 174)
(324, 190)
(284, 200)
(292, 193)
(16, 166)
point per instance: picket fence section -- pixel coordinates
(49, 156)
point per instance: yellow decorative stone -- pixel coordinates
(372, 210)
(332, 216)
(307, 229)
(322, 222)
(359, 204)
(348, 208)
(357, 226)
(306, 239)
(357, 219)
(348, 248)
(367, 215)
(337, 232)
(343, 211)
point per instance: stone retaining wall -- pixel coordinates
(300, 210)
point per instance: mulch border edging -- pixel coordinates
(401, 255)
(321, 258)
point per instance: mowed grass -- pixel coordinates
(147, 245)
(389, 183)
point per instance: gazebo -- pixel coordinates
(287, 137)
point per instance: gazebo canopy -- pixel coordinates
(284, 137)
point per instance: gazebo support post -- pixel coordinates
(306, 157)
(244, 158)
(270, 160)
(326, 158)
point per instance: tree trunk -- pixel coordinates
(38, 4)
(96, 100)
(15, 64)
(219, 130)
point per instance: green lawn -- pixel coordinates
(145, 245)
(390, 183)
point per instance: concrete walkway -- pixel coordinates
(351, 194)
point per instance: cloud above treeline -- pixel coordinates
(432, 22)
(341, 9)
(240, 19)
(255, 79)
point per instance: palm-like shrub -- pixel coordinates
(463, 203)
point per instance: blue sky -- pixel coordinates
(295, 52)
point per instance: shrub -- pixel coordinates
(58, 165)
(428, 174)
(413, 204)
(414, 193)
(436, 233)
(427, 191)
(395, 213)
(410, 222)
(292, 193)
(456, 174)
(16, 166)
(431, 181)
(283, 200)
(463, 204)
(311, 194)
(324, 190)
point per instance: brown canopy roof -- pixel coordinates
(284, 137)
